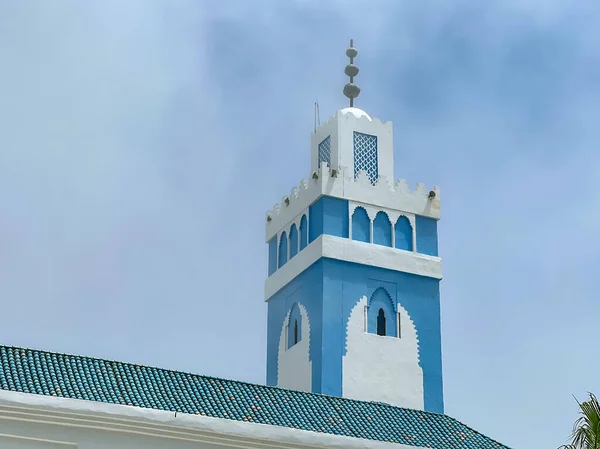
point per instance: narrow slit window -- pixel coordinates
(295, 331)
(381, 322)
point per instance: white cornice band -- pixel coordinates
(97, 416)
(357, 252)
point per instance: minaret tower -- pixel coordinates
(353, 272)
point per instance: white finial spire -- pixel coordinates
(351, 90)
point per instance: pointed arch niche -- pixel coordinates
(294, 326)
(294, 368)
(373, 366)
(381, 314)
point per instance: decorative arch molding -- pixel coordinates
(382, 306)
(408, 325)
(382, 369)
(373, 210)
(387, 293)
(393, 215)
(294, 367)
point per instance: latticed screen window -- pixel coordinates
(325, 151)
(365, 155)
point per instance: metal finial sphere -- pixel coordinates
(351, 90)
(351, 70)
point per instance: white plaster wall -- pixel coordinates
(294, 368)
(384, 369)
(341, 127)
(30, 421)
(49, 436)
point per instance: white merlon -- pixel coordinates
(358, 113)
(340, 248)
(383, 194)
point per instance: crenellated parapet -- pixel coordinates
(352, 114)
(342, 184)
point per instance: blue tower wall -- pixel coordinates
(427, 240)
(272, 255)
(330, 289)
(329, 216)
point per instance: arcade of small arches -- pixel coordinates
(297, 241)
(380, 231)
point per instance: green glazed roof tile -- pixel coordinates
(76, 377)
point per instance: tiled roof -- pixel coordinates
(51, 374)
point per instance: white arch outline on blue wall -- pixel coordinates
(389, 306)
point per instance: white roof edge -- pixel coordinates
(128, 419)
(356, 112)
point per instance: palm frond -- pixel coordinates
(586, 430)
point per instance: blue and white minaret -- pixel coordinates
(353, 287)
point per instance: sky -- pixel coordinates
(142, 142)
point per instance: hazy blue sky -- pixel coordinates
(141, 143)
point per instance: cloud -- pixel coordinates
(141, 143)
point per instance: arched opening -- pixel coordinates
(283, 250)
(381, 322)
(404, 234)
(294, 327)
(361, 225)
(303, 233)
(381, 314)
(293, 241)
(382, 229)
(295, 340)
